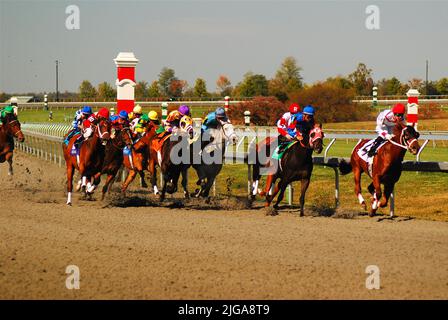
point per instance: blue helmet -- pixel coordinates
(309, 110)
(220, 112)
(123, 114)
(86, 110)
(113, 117)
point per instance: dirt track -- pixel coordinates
(165, 253)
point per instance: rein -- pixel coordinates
(19, 131)
(404, 143)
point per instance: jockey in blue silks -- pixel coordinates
(214, 118)
(80, 115)
(304, 122)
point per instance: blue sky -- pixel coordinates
(208, 38)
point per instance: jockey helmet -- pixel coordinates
(144, 117)
(294, 108)
(86, 110)
(220, 112)
(137, 109)
(398, 109)
(103, 112)
(152, 115)
(309, 110)
(113, 117)
(123, 114)
(8, 109)
(184, 110)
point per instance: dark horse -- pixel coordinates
(386, 166)
(168, 151)
(113, 158)
(9, 129)
(89, 161)
(295, 165)
(139, 160)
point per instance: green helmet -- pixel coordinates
(144, 117)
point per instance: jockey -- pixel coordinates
(304, 122)
(6, 110)
(80, 115)
(171, 123)
(153, 117)
(140, 127)
(214, 118)
(92, 120)
(286, 126)
(120, 121)
(385, 122)
(135, 115)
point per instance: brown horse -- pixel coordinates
(9, 129)
(140, 160)
(386, 167)
(113, 158)
(89, 161)
(295, 165)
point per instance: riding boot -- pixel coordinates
(374, 146)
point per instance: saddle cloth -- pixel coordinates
(362, 153)
(276, 155)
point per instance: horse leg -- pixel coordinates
(153, 174)
(305, 184)
(357, 176)
(282, 187)
(376, 195)
(109, 181)
(96, 181)
(70, 171)
(142, 179)
(163, 192)
(129, 179)
(9, 159)
(184, 182)
(388, 189)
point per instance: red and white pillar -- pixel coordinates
(125, 62)
(227, 102)
(412, 116)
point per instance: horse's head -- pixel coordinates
(103, 129)
(126, 137)
(409, 138)
(229, 132)
(186, 125)
(12, 126)
(316, 138)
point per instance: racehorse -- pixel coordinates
(88, 160)
(9, 129)
(213, 147)
(386, 167)
(113, 158)
(295, 165)
(162, 152)
(137, 160)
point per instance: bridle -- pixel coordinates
(9, 124)
(404, 143)
(101, 134)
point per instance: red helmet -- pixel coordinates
(294, 108)
(398, 108)
(104, 112)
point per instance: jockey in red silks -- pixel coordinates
(87, 125)
(286, 125)
(385, 124)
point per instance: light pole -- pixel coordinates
(57, 84)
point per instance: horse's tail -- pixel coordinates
(345, 167)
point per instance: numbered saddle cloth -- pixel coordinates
(363, 153)
(281, 149)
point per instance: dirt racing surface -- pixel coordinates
(194, 250)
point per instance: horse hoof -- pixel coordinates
(69, 204)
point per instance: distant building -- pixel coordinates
(21, 99)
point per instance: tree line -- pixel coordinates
(286, 83)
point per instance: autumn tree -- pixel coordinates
(390, 86)
(141, 90)
(361, 80)
(153, 90)
(166, 78)
(105, 91)
(86, 90)
(287, 79)
(200, 88)
(224, 86)
(442, 86)
(252, 85)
